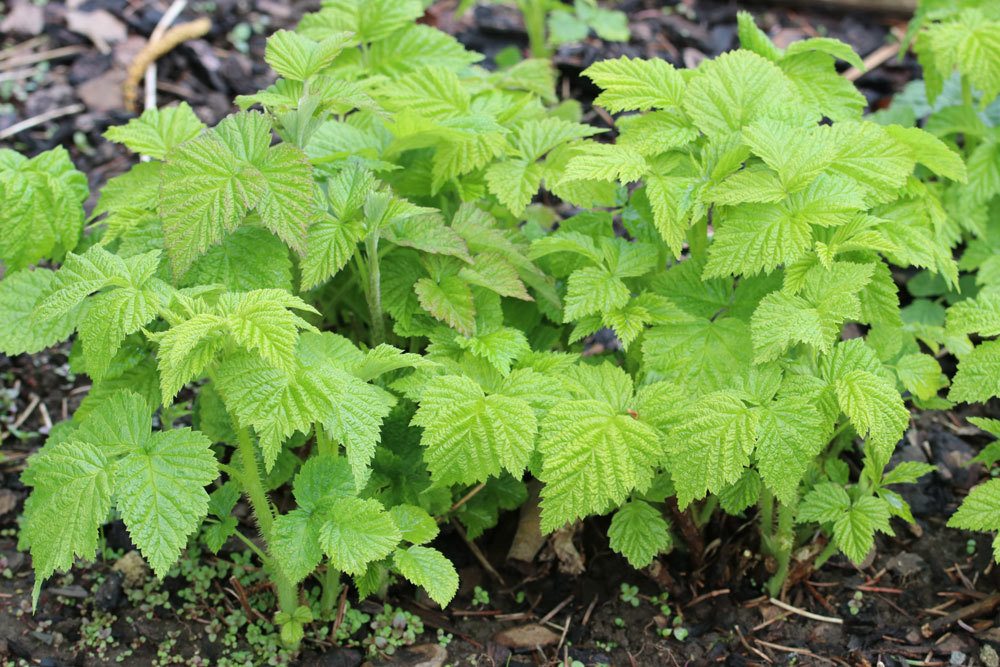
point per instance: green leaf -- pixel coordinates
(321, 479)
(357, 532)
(754, 39)
(931, 152)
(157, 131)
(701, 355)
(797, 154)
(871, 157)
(731, 91)
(783, 320)
(277, 403)
(907, 472)
(854, 531)
(711, 445)
(593, 457)
(514, 183)
(825, 503)
(921, 375)
(42, 215)
(469, 435)
(501, 347)
(297, 57)
(632, 84)
(593, 290)
(978, 376)
(414, 523)
(829, 46)
(160, 490)
(791, 432)
(70, 500)
(249, 259)
(668, 198)
(295, 543)
(980, 315)
(980, 510)
(20, 294)
(210, 185)
(429, 569)
(449, 300)
(261, 321)
(330, 245)
(639, 532)
(874, 407)
(756, 238)
(494, 272)
(605, 162)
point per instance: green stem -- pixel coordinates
(970, 141)
(374, 293)
(706, 510)
(252, 547)
(698, 239)
(783, 543)
(253, 485)
(331, 590)
(534, 22)
(323, 444)
(766, 504)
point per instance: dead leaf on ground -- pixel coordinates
(99, 26)
(25, 18)
(526, 637)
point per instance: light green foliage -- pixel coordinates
(157, 131)
(42, 212)
(157, 481)
(212, 183)
(359, 293)
(639, 532)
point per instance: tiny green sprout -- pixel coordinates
(577, 663)
(619, 622)
(970, 547)
(664, 632)
(480, 597)
(855, 603)
(519, 597)
(680, 634)
(444, 638)
(629, 594)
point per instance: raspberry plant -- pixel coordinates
(958, 45)
(372, 313)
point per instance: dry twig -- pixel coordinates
(807, 614)
(154, 50)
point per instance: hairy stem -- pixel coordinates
(253, 485)
(374, 292)
(331, 590)
(783, 541)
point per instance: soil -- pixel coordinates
(929, 596)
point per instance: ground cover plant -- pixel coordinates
(350, 290)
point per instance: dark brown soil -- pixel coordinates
(893, 611)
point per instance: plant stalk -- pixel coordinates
(698, 239)
(533, 12)
(253, 485)
(374, 292)
(784, 542)
(331, 590)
